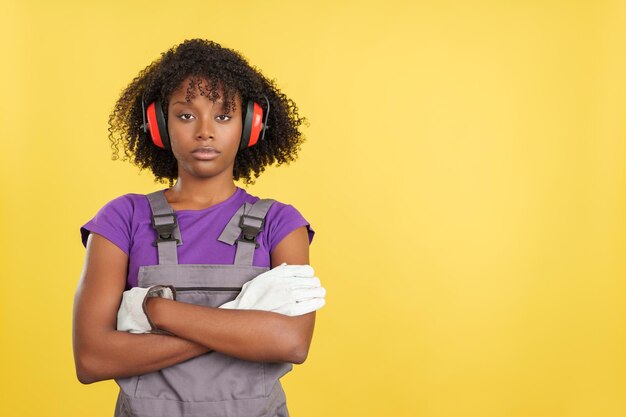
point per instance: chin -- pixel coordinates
(206, 169)
(209, 172)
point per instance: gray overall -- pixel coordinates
(212, 384)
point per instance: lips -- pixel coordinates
(206, 153)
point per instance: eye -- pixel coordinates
(183, 116)
(223, 117)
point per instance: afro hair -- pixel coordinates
(223, 70)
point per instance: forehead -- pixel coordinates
(195, 86)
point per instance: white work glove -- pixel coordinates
(132, 317)
(292, 290)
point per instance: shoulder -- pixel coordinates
(277, 211)
(281, 219)
(124, 207)
(115, 219)
(126, 203)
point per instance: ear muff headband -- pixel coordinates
(254, 124)
(158, 126)
(257, 124)
(246, 132)
(152, 122)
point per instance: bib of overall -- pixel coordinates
(212, 384)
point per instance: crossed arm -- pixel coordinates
(101, 352)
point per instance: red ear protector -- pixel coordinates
(254, 124)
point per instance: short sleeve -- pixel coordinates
(283, 219)
(113, 221)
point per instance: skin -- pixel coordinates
(101, 352)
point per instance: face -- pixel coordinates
(204, 134)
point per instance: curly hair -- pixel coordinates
(223, 69)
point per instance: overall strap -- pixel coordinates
(166, 225)
(244, 228)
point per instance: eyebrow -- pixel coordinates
(190, 103)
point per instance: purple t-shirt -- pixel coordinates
(126, 221)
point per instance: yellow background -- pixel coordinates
(465, 172)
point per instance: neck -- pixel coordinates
(193, 191)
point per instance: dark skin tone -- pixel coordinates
(101, 352)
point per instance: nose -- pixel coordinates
(206, 128)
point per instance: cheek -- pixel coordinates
(175, 141)
(233, 135)
(179, 132)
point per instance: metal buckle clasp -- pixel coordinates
(165, 231)
(250, 226)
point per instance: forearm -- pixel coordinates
(114, 354)
(245, 334)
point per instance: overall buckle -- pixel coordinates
(165, 230)
(250, 226)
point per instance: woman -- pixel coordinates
(205, 327)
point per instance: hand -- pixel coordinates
(292, 290)
(132, 317)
